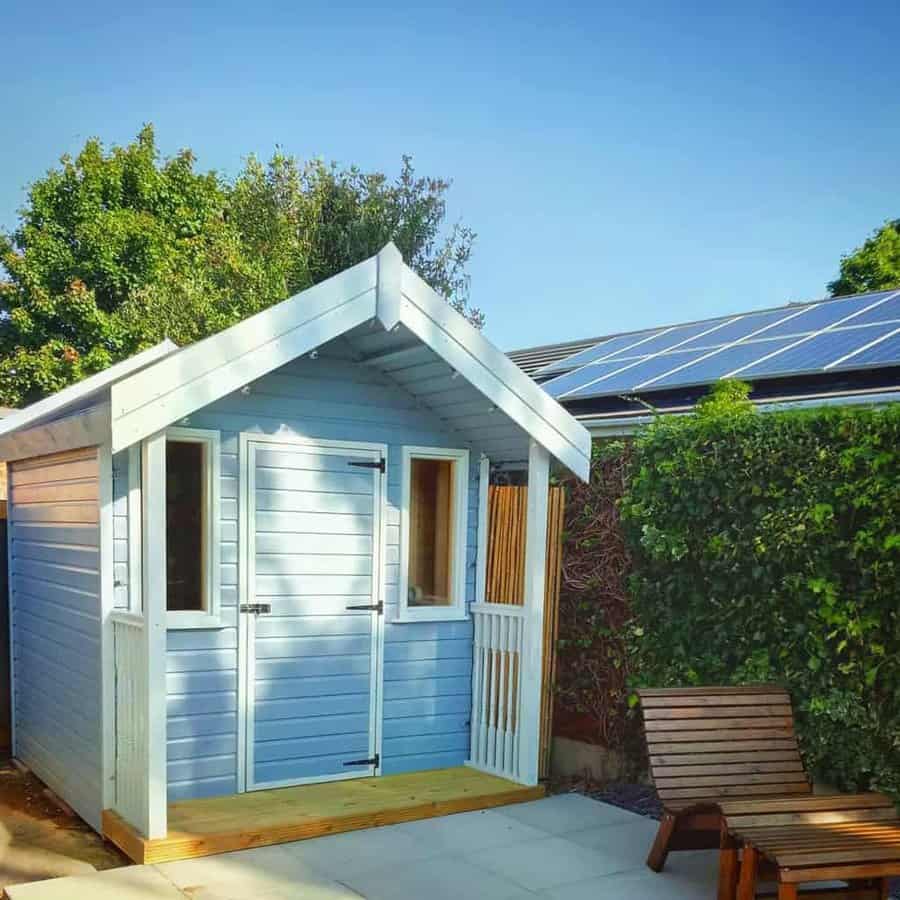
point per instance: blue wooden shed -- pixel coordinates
(257, 562)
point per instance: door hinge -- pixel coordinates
(257, 608)
(372, 761)
(377, 607)
(368, 464)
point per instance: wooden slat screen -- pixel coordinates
(505, 581)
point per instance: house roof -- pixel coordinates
(833, 347)
(391, 320)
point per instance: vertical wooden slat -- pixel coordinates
(505, 584)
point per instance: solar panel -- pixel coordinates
(580, 377)
(885, 352)
(889, 311)
(604, 348)
(636, 373)
(815, 353)
(667, 339)
(701, 352)
(825, 314)
(713, 367)
(744, 327)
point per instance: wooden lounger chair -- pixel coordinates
(710, 744)
(851, 837)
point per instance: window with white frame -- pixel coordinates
(433, 524)
(192, 528)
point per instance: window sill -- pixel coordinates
(180, 621)
(430, 615)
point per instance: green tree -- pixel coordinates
(115, 250)
(872, 267)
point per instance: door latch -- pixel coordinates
(256, 608)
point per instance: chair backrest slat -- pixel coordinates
(707, 744)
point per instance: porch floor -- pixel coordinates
(238, 821)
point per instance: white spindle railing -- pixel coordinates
(131, 718)
(496, 678)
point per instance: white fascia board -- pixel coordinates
(86, 428)
(199, 374)
(56, 403)
(447, 333)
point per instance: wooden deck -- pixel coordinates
(219, 824)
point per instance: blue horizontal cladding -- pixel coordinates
(312, 726)
(428, 664)
(884, 353)
(197, 788)
(395, 763)
(815, 353)
(198, 724)
(54, 582)
(713, 365)
(349, 745)
(316, 767)
(637, 373)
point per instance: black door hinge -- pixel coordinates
(372, 761)
(368, 464)
(257, 608)
(378, 607)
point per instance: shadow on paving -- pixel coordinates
(39, 840)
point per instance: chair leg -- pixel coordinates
(660, 849)
(749, 869)
(728, 866)
(787, 892)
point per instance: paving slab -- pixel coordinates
(566, 812)
(132, 883)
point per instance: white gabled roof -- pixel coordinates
(82, 393)
(151, 395)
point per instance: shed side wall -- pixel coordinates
(427, 666)
(55, 604)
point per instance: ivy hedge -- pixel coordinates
(766, 547)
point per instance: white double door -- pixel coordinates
(311, 610)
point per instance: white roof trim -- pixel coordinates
(149, 393)
(199, 374)
(56, 403)
(427, 315)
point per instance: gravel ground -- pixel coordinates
(637, 798)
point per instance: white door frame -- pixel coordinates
(247, 622)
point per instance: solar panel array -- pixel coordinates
(831, 335)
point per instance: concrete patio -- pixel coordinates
(565, 847)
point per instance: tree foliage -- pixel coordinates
(766, 548)
(115, 250)
(872, 267)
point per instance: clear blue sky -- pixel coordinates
(624, 165)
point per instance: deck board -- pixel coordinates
(238, 821)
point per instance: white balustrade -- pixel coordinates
(496, 678)
(131, 718)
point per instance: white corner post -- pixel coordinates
(531, 662)
(153, 483)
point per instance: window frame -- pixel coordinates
(456, 610)
(210, 616)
